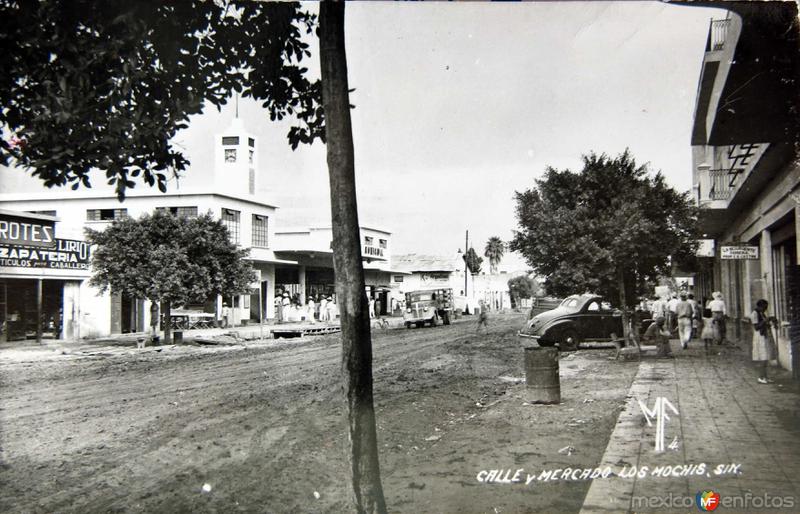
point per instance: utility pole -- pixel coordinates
(466, 262)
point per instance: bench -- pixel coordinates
(634, 349)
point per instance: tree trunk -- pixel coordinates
(166, 310)
(623, 304)
(154, 314)
(367, 492)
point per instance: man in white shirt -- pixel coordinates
(672, 313)
(718, 315)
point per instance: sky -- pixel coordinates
(459, 105)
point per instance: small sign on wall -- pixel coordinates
(739, 252)
(705, 248)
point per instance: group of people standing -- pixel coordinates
(317, 308)
(681, 314)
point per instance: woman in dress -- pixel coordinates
(706, 327)
(763, 342)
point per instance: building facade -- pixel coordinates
(41, 273)
(294, 261)
(311, 275)
(420, 272)
(746, 171)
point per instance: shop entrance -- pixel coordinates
(18, 309)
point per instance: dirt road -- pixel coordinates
(260, 429)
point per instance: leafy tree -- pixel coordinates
(494, 251)
(474, 262)
(608, 228)
(106, 85)
(170, 260)
(522, 287)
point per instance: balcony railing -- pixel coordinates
(717, 34)
(723, 182)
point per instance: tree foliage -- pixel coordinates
(473, 261)
(613, 222)
(494, 251)
(163, 257)
(106, 85)
(523, 287)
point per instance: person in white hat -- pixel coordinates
(323, 309)
(718, 314)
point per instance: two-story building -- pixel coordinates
(312, 275)
(746, 172)
(295, 261)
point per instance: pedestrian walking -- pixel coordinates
(718, 315)
(371, 308)
(659, 308)
(706, 327)
(672, 313)
(685, 313)
(483, 319)
(658, 334)
(697, 316)
(763, 342)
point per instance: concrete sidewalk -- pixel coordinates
(725, 417)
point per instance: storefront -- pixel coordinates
(40, 278)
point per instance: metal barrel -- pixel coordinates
(541, 375)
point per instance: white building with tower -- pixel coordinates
(296, 261)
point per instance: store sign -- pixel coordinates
(739, 252)
(371, 251)
(27, 232)
(435, 277)
(65, 254)
(705, 248)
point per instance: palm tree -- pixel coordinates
(495, 248)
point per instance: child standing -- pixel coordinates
(706, 323)
(483, 319)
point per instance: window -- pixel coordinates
(105, 214)
(251, 142)
(230, 219)
(382, 243)
(230, 141)
(398, 278)
(230, 155)
(367, 240)
(46, 213)
(260, 231)
(188, 212)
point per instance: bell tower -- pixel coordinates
(235, 160)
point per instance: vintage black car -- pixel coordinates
(578, 318)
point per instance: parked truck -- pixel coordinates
(428, 306)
